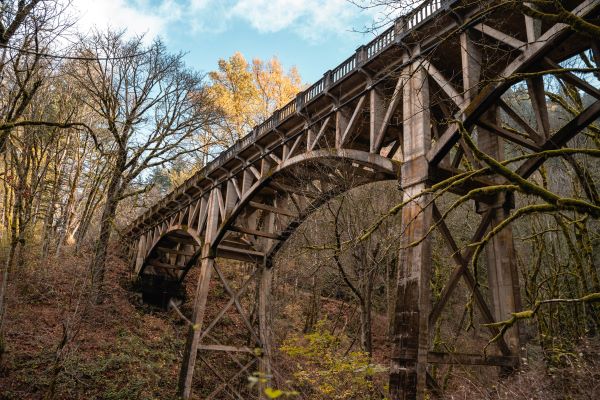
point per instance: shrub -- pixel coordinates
(326, 366)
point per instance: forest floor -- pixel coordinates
(54, 343)
(59, 348)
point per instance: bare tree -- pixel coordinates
(360, 266)
(28, 29)
(151, 107)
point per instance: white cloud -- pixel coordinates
(310, 19)
(136, 16)
(196, 5)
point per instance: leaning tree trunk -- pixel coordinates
(98, 265)
(93, 199)
(67, 216)
(366, 325)
(48, 229)
(15, 231)
(8, 266)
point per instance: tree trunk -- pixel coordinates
(98, 265)
(366, 336)
(15, 232)
(390, 285)
(314, 306)
(91, 204)
(48, 231)
(3, 289)
(66, 220)
(366, 330)
(8, 266)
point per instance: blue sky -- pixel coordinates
(313, 35)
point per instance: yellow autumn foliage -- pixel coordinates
(326, 367)
(248, 93)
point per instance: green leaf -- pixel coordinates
(273, 393)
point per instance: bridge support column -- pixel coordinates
(503, 278)
(264, 323)
(408, 370)
(141, 253)
(264, 314)
(502, 274)
(186, 374)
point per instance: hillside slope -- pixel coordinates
(54, 343)
(57, 347)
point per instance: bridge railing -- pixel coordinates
(423, 12)
(288, 110)
(419, 15)
(344, 69)
(402, 26)
(312, 92)
(381, 42)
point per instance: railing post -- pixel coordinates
(327, 80)
(361, 55)
(399, 26)
(299, 102)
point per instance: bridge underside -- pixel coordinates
(401, 108)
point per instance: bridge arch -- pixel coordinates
(379, 167)
(173, 248)
(167, 248)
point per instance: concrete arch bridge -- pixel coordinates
(392, 111)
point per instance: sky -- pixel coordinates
(312, 35)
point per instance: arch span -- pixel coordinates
(296, 187)
(374, 167)
(170, 247)
(243, 233)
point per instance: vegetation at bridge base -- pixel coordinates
(327, 368)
